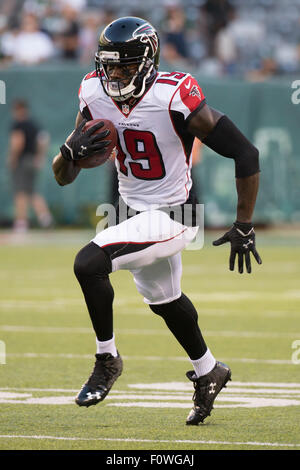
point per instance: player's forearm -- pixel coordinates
(247, 189)
(64, 171)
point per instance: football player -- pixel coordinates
(157, 115)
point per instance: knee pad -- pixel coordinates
(92, 260)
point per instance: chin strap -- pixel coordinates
(144, 83)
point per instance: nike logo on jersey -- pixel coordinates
(187, 86)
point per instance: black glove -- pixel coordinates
(242, 239)
(83, 144)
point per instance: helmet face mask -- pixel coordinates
(125, 42)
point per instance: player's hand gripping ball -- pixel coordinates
(91, 143)
(97, 157)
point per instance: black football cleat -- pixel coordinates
(207, 388)
(106, 371)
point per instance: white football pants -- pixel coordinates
(149, 245)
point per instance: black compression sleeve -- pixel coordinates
(182, 320)
(227, 140)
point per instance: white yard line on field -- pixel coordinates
(228, 296)
(133, 331)
(271, 267)
(32, 355)
(165, 395)
(158, 441)
(237, 402)
(228, 394)
(55, 303)
(168, 386)
(42, 306)
(175, 387)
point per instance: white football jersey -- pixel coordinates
(154, 151)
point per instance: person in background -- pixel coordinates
(91, 21)
(28, 45)
(69, 36)
(218, 14)
(27, 149)
(175, 30)
(172, 57)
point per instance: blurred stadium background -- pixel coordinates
(245, 54)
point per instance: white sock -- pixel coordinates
(205, 364)
(107, 346)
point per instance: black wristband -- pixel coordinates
(65, 152)
(228, 141)
(243, 226)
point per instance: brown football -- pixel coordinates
(99, 158)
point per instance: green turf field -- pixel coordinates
(251, 322)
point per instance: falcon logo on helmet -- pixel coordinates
(122, 43)
(147, 34)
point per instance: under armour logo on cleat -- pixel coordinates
(212, 387)
(96, 395)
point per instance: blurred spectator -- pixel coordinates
(27, 149)
(172, 57)
(174, 29)
(8, 9)
(78, 5)
(52, 22)
(287, 57)
(267, 69)
(218, 14)
(211, 66)
(225, 49)
(238, 46)
(89, 35)
(92, 23)
(28, 45)
(69, 36)
(7, 41)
